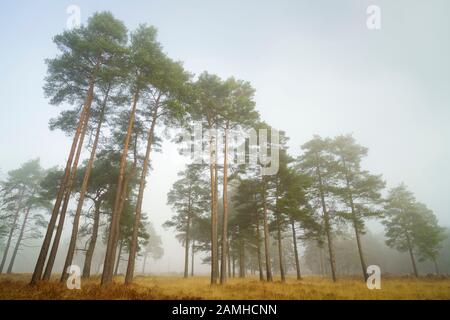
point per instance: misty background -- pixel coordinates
(316, 68)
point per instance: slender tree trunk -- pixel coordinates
(84, 186)
(119, 254)
(62, 215)
(234, 266)
(355, 223)
(108, 265)
(13, 228)
(360, 250)
(258, 247)
(92, 242)
(266, 235)
(192, 258)
(280, 243)
(223, 259)
(186, 245)
(39, 267)
(280, 249)
(322, 269)
(138, 213)
(326, 219)
(411, 254)
(297, 260)
(241, 259)
(212, 166)
(19, 240)
(229, 259)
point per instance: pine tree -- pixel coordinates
(189, 198)
(360, 191)
(72, 77)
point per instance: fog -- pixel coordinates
(316, 68)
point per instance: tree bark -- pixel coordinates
(326, 219)
(108, 266)
(186, 249)
(11, 231)
(138, 213)
(411, 254)
(19, 241)
(39, 267)
(280, 249)
(266, 234)
(229, 259)
(92, 242)
(297, 260)
(355, 224)
(234, 266)
(192, 258)
(62, 215)
(84, 186)
(116, 269)
(280, 244)
(258, 247)
(212, 167)
(223, 259)
(241, 260)
(360, 251)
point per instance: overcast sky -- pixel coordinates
(316, 68)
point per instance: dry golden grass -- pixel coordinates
(169, 287)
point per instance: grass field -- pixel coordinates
(170, 287)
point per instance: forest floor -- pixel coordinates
(170, 287)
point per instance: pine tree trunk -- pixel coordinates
(212, 167)
(234, 266)
(229, 259)
(326, 219)
(92, 242)
(39, 267)
(360, 251)
(280, 244)
(258, 247)
(241, 259)
(192, 258)
(84, 186)
(266, 235)
(19, 240)
(138, 213)
(216, 203)
(280, 249)
(11, 231)
(62, 215)
(223, 260)
(108, 265)
(411, 254)
(186, 245)
(119, 254)
(297, 261)
(322, 269)
(355, 224)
